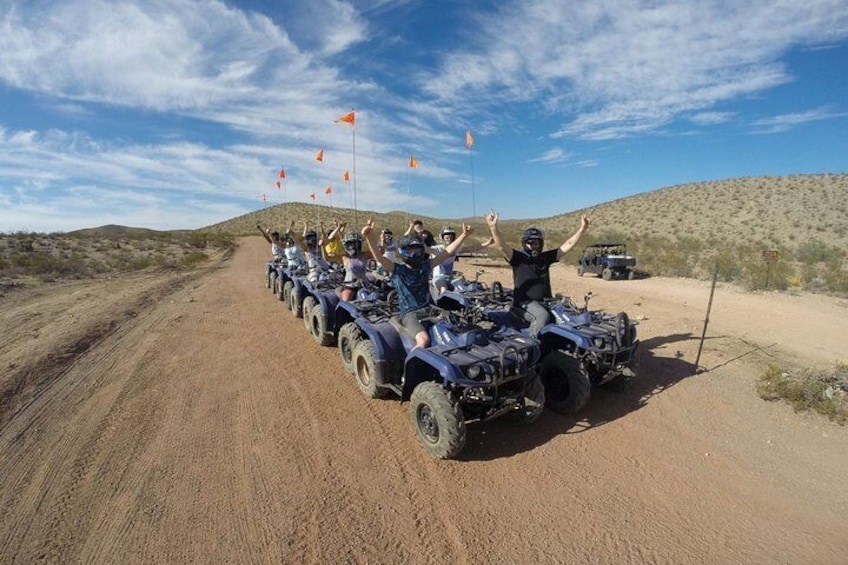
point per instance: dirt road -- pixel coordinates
(200, 423)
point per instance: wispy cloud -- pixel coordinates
(614, 68)
(785, 122)
(554, 155)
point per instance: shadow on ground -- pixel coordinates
(660, 367)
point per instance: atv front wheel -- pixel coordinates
(294, 303)
(534, 403)
(349, 336)
(580, 271)
(566, 382)
(606, 273)
(272, 276)
(438, 420)
(306, 308)
(369, 375)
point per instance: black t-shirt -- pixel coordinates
(426, 238)
(531, 275)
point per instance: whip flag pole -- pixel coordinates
(413, 164)
(469, 143)
(350, 118)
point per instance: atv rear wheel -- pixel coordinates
(294, 303)
(272, 277)
(319, 324)
(606, 273)
(438, 420)
(369, 375)
(285, 296)
(631, 274)
(306, 308)
(534, 403)
(566, 382)
(349, 336)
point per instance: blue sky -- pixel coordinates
(179, 113)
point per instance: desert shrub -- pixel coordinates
(825, 392)
(194, 258)
(814, 251)
(759, 275)
(196, 240)
(729, 261)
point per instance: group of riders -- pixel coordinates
(416, 262)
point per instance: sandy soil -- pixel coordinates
(175, 418)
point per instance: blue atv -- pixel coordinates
(350, 317)
(580, 348)
(271, 272)
(302, 287)
(282, 282)
(472, 371)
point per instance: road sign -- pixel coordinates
(771, 255)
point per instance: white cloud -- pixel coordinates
(623, 66)
(554, 155)
(785, 122)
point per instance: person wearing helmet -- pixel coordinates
(443, 274)
(411, 278)
(531, 268)
(314, 252)
(355, 262)
(272, 237)
(388, 248)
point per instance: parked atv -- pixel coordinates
(580, 347)
(609, 260)
(473, 371)
(283, 281)
(271, 271)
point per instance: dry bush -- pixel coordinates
(825, 392)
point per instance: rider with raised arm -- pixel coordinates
(531, 268)
(412, 277)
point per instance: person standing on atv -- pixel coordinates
(443, 273)
(416, 228)
(531, 268)
(355, 265)
(411, 278)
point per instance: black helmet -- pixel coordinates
(447, 230)
(385, 231)
(533, 233)
(352, 243)
(311, 238)
(275, 235)
(406, 244)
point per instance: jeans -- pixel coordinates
(537, 314)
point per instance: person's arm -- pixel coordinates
(290, 230)
(572, 241)
(305, 229)
(338, 231)
(443, 255)
(492, 220)
(265, 233)
(368, 234)
(488, 242)
(409, 229)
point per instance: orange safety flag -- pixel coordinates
(347, 176)
(328, 190)
(469, 141)
(320, 155)
(413, 162)
(349, 118)
(282, 174)
(278, 184)
(312, 196)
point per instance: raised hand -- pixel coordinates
(368, 227)
(492, 218)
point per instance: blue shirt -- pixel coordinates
(412, 285)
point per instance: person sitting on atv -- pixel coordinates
(443, 273)
(411, 278)
(355, 266)
(531, 268)
(332, 243)
(272, 237)
(314, 253)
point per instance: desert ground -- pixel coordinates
(190, 418)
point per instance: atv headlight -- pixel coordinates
(473, 372)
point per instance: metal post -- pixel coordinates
(706, 320)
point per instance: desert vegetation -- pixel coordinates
(103, 251)
(825, 392)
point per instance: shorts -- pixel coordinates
(443, 282)
(411, 321)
